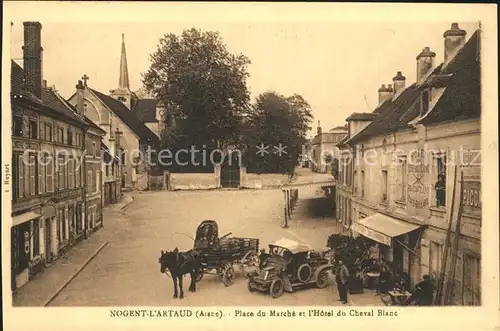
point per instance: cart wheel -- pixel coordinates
(276, 288)
(228, 275)
(250, 259)
(200, 275)
(322, 279)
(250, 286)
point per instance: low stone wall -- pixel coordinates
(198, 181)
(259, 181)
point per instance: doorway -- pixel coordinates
(230, 171)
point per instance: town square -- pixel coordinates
(221, 165)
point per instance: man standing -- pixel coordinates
(341, 277)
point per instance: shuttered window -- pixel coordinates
(49, 177)
(32, 174)
(21, 178)
(97, 180)
(89, 181)
(41, 173)
(71, 173)
(78, 178)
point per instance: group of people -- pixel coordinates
(384, 280)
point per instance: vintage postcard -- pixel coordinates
(239, 166)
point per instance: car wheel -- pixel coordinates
(322, 279)
(250, 287)
(276, 288)
(304, 273)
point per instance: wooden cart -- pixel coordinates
(220, 256)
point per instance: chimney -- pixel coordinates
(80, 90)
(319, 129)
(454, 39)
(399, 84)
(425, 63)
(384, 93)
(32, 58)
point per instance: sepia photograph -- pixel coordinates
(246, 164)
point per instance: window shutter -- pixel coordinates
(50, 174)
(77, 173)
(20, 164)
(40, 175)
(97, 180)
(70, 173)
(32, 186)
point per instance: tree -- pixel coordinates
(276, 121)
(142, 93)
(352, 251)
(202, 84)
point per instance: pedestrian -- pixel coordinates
(341, 277)
(424, 293)
(383, 281)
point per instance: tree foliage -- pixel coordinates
(202, 84)
(348, 249)
(273, 120)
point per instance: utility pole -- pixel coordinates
(448, 295)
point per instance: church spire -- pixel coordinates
(124, 83)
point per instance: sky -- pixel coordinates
(336, 66)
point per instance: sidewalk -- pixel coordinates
(40, 290)
(45, 285)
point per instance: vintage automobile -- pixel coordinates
(290, 265)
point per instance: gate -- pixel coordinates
(230, 172)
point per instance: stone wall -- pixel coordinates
(259, 181)
(197, 181)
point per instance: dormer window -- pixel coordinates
(425, 103)
(122, 99)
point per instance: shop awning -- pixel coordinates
(25, 217)
(382, 228)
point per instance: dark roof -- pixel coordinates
(128, 117)
(50, 98)
(392, 115)
(145, 110)
(462, 97)
(16, 77)
(342, 141)
(361, 117)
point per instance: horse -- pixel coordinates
(180, 264)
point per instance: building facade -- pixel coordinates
(111, 169)
(47, 164)
(408, 162)
(324, 149)
(139, 120)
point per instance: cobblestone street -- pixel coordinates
(127, 272)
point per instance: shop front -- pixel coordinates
(397, 241)
(25, 247)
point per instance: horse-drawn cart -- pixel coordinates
(220, 255)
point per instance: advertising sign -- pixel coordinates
(372, 234)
